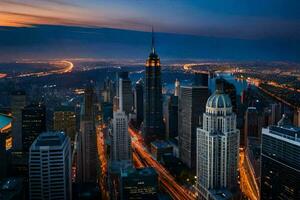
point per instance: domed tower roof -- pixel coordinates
(219, 103)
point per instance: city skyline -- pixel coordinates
(93, 106)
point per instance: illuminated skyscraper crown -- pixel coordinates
(153, 59)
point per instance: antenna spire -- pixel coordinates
(153, 42)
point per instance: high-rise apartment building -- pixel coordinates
(153, 101)
(18, 102)
(191, 104)
(50, 167)
(218, 149)
(280, 161)
(120, 142)
(33, 123)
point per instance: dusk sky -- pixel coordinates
(250, 19)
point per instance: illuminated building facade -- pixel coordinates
(218, 149)
(280, 161)
(153, 102)
(64, 119)
(120, 142)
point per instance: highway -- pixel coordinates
(103, 162)
(63, 67)
(248, 184)
(143, 158)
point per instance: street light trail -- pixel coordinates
(248, 188)
(168, 181)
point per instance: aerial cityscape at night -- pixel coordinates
(149, 100)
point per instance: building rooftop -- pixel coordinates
(50, 139)
(221, 194)
(132, 172)
(64, 109)
(219, 100)
(160, 144)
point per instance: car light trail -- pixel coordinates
(172, 187)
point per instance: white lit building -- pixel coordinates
(218, 149)
(121, 141)
(50, 167)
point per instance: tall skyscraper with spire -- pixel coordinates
(153, 112)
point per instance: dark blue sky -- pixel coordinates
(250, 19)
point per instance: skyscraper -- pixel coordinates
(18, 102)
(120, 142)
(33, 123)
(87, 147)
(200, 79)
(64, 119)
(218, 149)
(153, 102)
(276, 113)
(139, 101)
(280, 161)
(108, 91)
(171, 117)
(125, 93)
(50, 167)
(253, 124)
(192, 102)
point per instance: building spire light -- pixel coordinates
(153, 42)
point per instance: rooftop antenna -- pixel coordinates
(153, 44)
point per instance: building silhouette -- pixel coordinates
(171, 118)
(18, 102)
(153, 102)
(87, 147)
(33, 123)
(191, 107)
(139, 101)
(125, 93)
